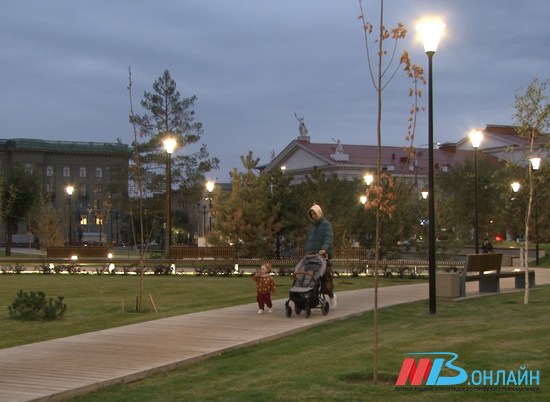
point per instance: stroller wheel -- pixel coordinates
(326, 307)
(297, 310)
(288, 311)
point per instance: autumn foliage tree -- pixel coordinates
(244, 216)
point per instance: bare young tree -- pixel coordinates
(382, 69)
(532, 117)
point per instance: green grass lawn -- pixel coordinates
(330, 362)
(96, 302)
(334, 362)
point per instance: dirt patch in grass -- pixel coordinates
(359, 378)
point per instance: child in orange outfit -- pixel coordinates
(265, 285)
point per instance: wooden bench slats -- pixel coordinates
(486, 269)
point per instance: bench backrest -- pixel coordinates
(80, 251)
(479, 263)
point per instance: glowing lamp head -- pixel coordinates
(430, 31)
(368, 179)
(170, 145)
(476, 136)
(535, 163)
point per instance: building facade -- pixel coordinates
(98, 173)
(348, 161)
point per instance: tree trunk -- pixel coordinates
(10, 231)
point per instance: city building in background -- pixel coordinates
(98, 175)
(348, 161)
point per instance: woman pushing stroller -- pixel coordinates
(320, 240)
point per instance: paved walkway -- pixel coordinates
(62, 368)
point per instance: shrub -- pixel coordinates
(34, 306)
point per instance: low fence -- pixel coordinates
(182, 252)
(346, 261)
(178, 252)
(229, 266)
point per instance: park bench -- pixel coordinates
(82, 252)
(487, 270)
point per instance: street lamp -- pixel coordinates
(170, 145)
(368, 179)
(535, 164)
(204, 221)
(475, 138)
(70, 190)
(431, 31)
(210, 188)
(515, 188)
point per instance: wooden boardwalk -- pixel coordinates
(62, 368)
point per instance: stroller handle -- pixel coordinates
(313, 254)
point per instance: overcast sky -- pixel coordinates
(254, 63)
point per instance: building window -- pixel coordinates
(98, 173)
(82, 172)
(83, 192)
(28, 168)
(66, 172)
(49, 171)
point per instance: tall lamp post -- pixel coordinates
(535, 164)
(70, 190)
(170, 145)
(204, 221)
(515, 188)
(210, 188)
(475, 138)
(431, 31)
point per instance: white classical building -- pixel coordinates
(348, 161)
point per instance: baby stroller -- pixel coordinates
(305, 292)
